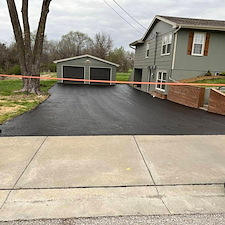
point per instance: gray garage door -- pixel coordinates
(100, 74)
(73, 72)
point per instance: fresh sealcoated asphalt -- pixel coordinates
(76, 110)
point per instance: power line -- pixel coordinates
(122, 17)
(129, 14)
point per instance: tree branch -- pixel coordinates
(17, 30)
(38, 46)
(27, 39)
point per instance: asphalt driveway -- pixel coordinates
(110, 110)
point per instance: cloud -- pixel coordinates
(92, 16)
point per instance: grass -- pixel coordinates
(13, 104)
(123, 76)
(212, 81)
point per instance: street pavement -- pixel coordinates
(49, 177)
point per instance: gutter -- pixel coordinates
(179, 27)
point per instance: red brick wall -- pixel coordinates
(216, 102)
(187, 95)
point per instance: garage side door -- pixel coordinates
(74, 72)
(100, 74)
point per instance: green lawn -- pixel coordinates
(123, 76)
(212, 81)
(13, 104)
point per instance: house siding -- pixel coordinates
(188, 66)
(161, 62)
(82, 62)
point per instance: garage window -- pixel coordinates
(161, 79)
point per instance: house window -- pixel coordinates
(166, 44)
(198, 44)
(147, 49)
(161, 80)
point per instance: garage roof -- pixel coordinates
(86, 56)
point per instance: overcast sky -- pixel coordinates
(92, 16)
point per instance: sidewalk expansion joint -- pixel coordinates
(23, 172)
(142, 155)
(116, 186)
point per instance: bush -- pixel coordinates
(208, 73)
(52, 67)
(1, 71)
(15, 70)
(222, 74)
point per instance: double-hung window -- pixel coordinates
(166, 44)
(198, 44)
(161, 80)
(147, 50)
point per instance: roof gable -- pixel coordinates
(86, 56)
(181, 22)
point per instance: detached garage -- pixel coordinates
(86, 67)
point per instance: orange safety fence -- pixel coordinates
(113, 82)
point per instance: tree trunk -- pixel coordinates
(29, 58)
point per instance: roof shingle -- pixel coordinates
(195, 22)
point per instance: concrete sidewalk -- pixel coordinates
(63, 177)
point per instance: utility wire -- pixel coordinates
(129, 14)
(122, 17)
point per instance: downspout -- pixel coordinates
(156, 43)
(174, 52)
(154, 61)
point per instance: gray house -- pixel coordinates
(175, 48)
(86, 67)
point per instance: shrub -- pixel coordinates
(15, 70)
(208, 73)
(52, 67)
(1, 71)
(222, 74)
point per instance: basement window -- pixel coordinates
(161, 79)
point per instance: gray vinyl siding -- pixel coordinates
(82, 62)
(188, 66)
(162, 62)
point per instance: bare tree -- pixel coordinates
(29, 58)
(73, 44)
(102, 45)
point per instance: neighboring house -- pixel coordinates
(175, 48)
(86, 67)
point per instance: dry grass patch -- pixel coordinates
(190, 80)
(11, 106)
(14, 104)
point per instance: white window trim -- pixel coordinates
(203, 45)
(147, 50)
(160, 71)
(162, 54)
